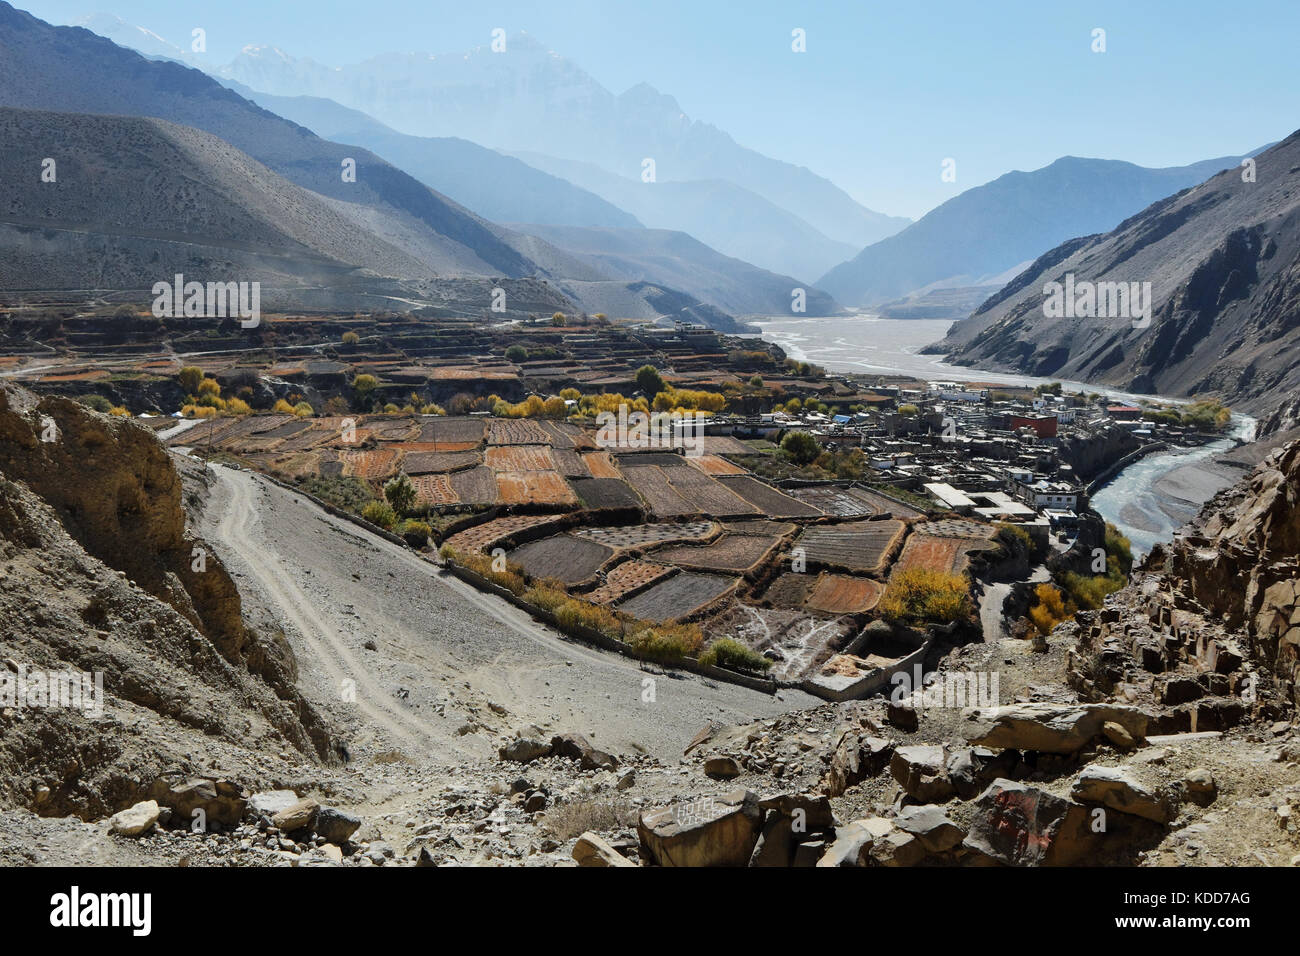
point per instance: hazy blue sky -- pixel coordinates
(885, 92)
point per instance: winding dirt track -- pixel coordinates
(427, 654)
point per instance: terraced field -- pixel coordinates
(446, 431)
(569, 463)
(625, 578)
(678, 596)
(300, 464)
(723, 445)
(715, 465)
(887, 506)
(601, 465)
(709, 495)
(855, 545)
(644, 535)
(767, 500)
(475, 486)
(432, 462)
(434, 489)
(939, 552)
(832, 500)
(565, 558)
(957, 528)
(844, 594)
(517, 431)
(393, 429)
(519, 458)
(652, 485)
(368, 463)
(567, 437)
(731, 552)
(777, 529)
(481, 537)
(597, 493)
(534, 487)
(789, 590)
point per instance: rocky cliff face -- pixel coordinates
(1240, 562)
(99, 574)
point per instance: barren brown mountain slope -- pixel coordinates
(1221, 262)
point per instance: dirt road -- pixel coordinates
(450, 668)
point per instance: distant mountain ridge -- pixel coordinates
(495, 186)
(1013, 219)
(530, 98)
(1223, 262)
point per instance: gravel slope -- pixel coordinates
(452, 668)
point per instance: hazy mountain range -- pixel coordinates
(1223, 263)
(974, 238)
(70, 69)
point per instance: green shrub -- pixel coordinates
(729, 653)
(416, 533)
(380, 513)
(574, 613)
(544, 597)
(400, 493)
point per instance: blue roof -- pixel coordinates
(841, 419)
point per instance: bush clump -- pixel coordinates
(380, 513)
(415, 532)
(925, 596)
(730, 653)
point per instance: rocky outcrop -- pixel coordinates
(1230, 586)
(100, 577)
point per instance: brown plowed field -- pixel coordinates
(534, 487)
(565, 558)
(723, 445)
(302, 464)
(886, 506)
(519, 458)
(708, 495)
(714, 465)
(517, 431)
(776, 529)
(856, 545)
(566, 436)
(625, 578)
(938, 553)
(844, 594)
(393, 429)
(731, 552)
(601, 465)
(789, 590)
(368, 463)
(434, 490)
(569, 463)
